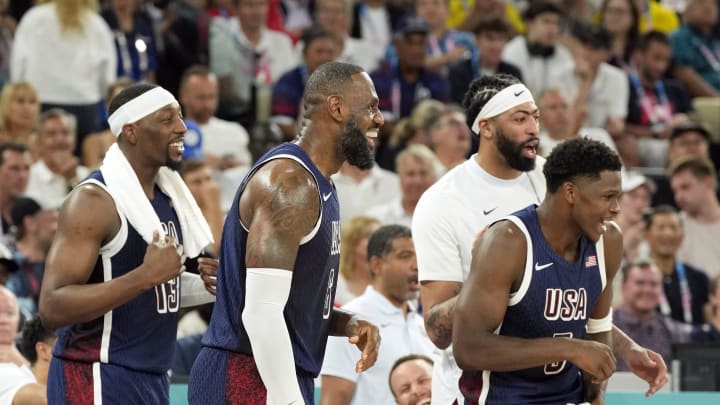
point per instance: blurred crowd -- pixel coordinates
(642, 76)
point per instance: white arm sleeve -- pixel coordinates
(192, 291)
(266, 293)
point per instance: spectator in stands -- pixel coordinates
(35, 229)
(319, 46)
(638, 316)
(621, 18)
(411, 380)
(402, 85)
(17, 382)
(710, 331)
(224, 143)
(388, 301)
(685, 287)
(600, 88)
(135, 41)
(57, 170)
(656, 16)
(686, 139)
(335, 16)
(374, 21)
(19, 111)
(445, 46)
(634, 201)
(491, 35)
(35, 343)
(655, 105)
(15, 163)
(95, 145)
(359, 190)
(416, 167)
(198, 176)
(694, 183)
(450, 138)
(244, 53)
(559, 120)
(354, 274)
(696, 61)
(66, 50)
(542, 60)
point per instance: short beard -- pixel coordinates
(512, 152)
(353, 146)
(173, 165)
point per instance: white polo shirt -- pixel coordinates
(12, 378)
(400, 336)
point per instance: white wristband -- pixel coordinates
(600, 325)
(266, 293)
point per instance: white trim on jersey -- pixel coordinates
(307, 238)
(600, 251)
(107, 318)
(118, 241)
(518, 295)
(97, 384)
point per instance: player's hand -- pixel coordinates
(163, 259)
(366, 337)
(595, 358)
(647, 365)
(207, 267)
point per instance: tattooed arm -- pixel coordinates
(438, 301)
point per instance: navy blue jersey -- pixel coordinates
(312, 292)
(139, 334)
(555, 299)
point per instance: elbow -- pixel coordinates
(461, 353)
(440, 342)
(50, 317)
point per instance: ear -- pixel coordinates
(375, 266)
(487, 130)
(43, 351)
(570, 192)
(334, 104)
(129, 132)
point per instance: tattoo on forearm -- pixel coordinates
(440, 321)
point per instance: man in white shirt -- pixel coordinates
(504, 176)
(387, 302)
(224, 143)
(417, 170)
(359, 190)
(58, 170)
(693, 181)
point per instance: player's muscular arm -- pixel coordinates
(439, 299)
(88, 219)
(280, 205)
(481, 307)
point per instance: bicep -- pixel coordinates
(486, 293)
(283, 205)
(613, 249)
(87, 219)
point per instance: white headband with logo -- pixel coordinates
(505, 99)
(139, 108)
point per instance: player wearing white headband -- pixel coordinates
(112, 277)
(504, 176)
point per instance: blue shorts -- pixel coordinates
(222, 377)
(77, 383)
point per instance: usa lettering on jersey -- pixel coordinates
(567, 305)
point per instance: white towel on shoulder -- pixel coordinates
(131, 201)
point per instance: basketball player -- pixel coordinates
(112, 276)
(280, 250)
(537, 279)
(504, 176)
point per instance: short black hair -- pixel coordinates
(314, 33)
(650, 214)
(33, 332)
(540, 7)
(127, 94)
(481, 90)
(11, 146)
(591, 36)
(652, 36)
(578, 157)
(328, 79)
(492, 23)
(380, 242)
(405, 359)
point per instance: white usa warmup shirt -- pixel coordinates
(446, 221)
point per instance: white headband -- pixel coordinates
(139, 108)
(505, 99)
